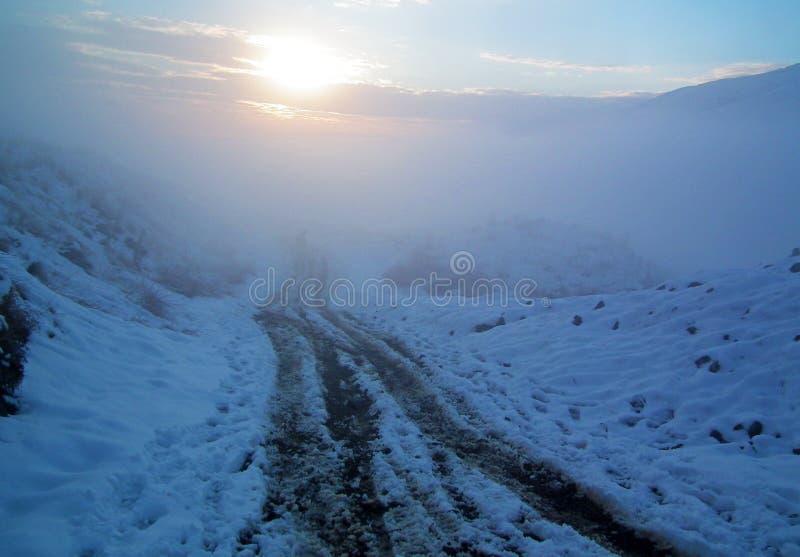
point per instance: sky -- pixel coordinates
(584, 48)
(431, 113)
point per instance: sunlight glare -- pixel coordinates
(303, 64)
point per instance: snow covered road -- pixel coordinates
(368, 458)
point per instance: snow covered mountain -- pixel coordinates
(776, 91)
(683, 176)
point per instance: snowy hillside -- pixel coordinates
(677, 405)
(776, 91)
(132, 392)
(63, 212)
(684, 176)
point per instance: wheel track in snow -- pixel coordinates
(550, 492)
(309, 482)
(345, 482)
(322, 471)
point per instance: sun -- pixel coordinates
(303, 65)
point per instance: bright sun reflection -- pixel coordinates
(302, 64)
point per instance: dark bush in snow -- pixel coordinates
(76, 256)
(194, 277)
(7, 244)
(483, 327)
(186, 281)
(15, 329)
(151, 299)
(36, 269)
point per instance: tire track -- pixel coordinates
(428, 514)
(322, 475)
(325, 474)
(550, 492)
(301, 471)
(439, 510)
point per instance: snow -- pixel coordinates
(142, 450)
(137, 433)
(628, 413)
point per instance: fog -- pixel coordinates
(703, 178)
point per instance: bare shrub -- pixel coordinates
(15, 330)
(76, 256)
(37, 270)
(185, 281)
(8, 244)
(152, 300)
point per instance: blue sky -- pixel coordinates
(586, 48)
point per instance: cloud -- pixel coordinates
(155, 65)
(172, 27)
(187, 40)
(624, 93)
(564, 66)
(279, 111)
(74, 25)
(148, 57)
(99, 21)
(285, 112)
(377, 3)
(738, 69)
